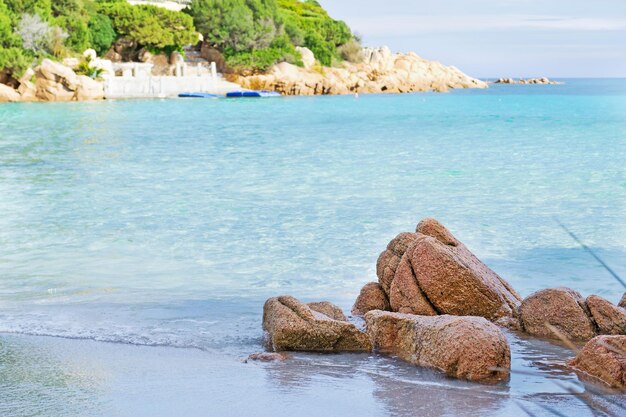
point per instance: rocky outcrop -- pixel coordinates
(380, 72)
(430, 272)
(562, 308)
(609, 319)
(469, 348)
(371, 297)
(8, 94)
(541, 80)
(603, 358)
(622, 302)
(294, 326)
(56, 82)
(308, 59)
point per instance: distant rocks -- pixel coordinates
(603, 358)
(541, 80)
(53, 81)
(380, 72)
(469, 348)
(267, 357)
(292, 325)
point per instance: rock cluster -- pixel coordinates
(541, 80)
(430, 273)
(380, 72)
(53, 81)
(437, 305)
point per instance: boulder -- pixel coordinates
(603, 358)
(328, 309)
(469, 348)
(8, 94)
(28, 91)
(294, 326)
(89, 89)
(389, 259)
(58, 73)
(308, 58)
(437, 274)
(50, 90)
(371, 297)
(562, 308)
(609, 318)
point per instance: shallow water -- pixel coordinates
(159, 225)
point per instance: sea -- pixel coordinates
(139, 240)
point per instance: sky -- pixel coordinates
(498, 38)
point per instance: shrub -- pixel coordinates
(35, 33)
(351, 52)
(102, 33)
(15, 61)
(150, 26)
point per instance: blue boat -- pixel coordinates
(198, 95)
(252, 93)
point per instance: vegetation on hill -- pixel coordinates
(251, 34)
(254, 34)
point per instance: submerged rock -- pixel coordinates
(609, 318)
(267, 357)
(562, 308)
(371, 297)
(469, 348)
(604, 358)
(293, 325)
(437, 274)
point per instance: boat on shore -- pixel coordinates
(198, 95)
(253, 94)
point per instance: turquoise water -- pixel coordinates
(165, 224)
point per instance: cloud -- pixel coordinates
(417, 24)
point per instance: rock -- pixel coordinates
(8, 94)
(604, 358)
(27, 76)
(49, 90)
(540, 80)
(371, 297)
(292, 325)
(622, 302)
(389, 259)
(145, 55)
(90, 54)
(328, 309)
(58, 73)
(28, 91)
(308, 59)
(89, 89)
(439, 275)
(267, 357)
(562, 308)
(610, 319)
(462, 347)
(381, 71)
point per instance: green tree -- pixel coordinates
(102, 33)
(150, 26)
